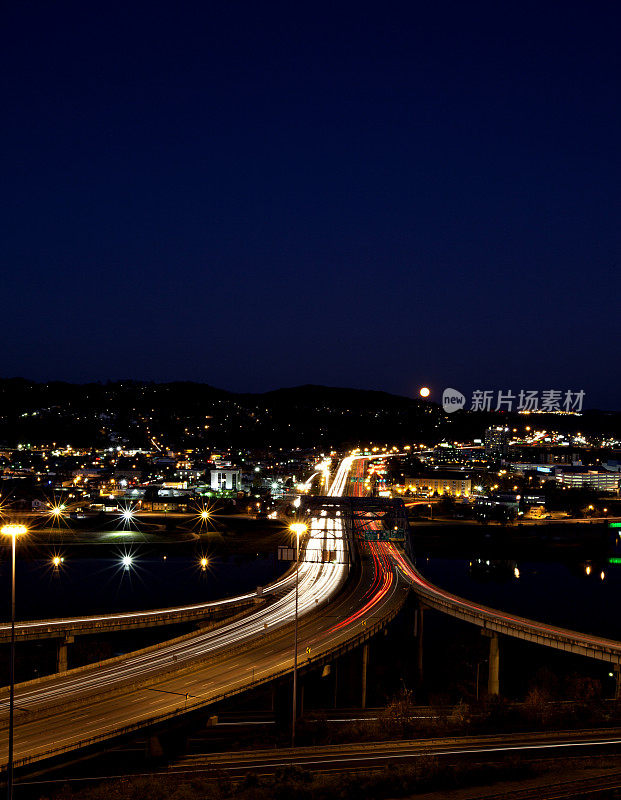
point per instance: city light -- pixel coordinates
(203, 515)
(128, 515)
(14, 530)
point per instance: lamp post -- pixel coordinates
(13, 531)
(298, 528)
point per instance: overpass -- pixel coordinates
(107, 623)
(94, 704)
(494, 622)
(344, 601)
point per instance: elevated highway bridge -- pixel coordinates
(342, 603)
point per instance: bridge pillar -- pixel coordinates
(493, 676)
(61, 653)
(617, 682)
(418, 633)
(336, 682)
(365, 663)
(154, 747)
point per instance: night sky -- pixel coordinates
(258, 195)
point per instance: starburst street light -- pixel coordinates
(56, 511)
(127, 561)
(203, 515)
(204, 562)
(13, 531)
(127, 516)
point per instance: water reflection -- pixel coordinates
(58, 583)
(580, 593)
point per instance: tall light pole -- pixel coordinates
(298, 528)
(13, 531)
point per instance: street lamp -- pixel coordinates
(127, 560)
(299, 528)
(13, 531)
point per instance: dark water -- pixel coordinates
(93, 585)
(557, 593)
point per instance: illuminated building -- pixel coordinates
(496, 441)
(225, 479)
(439, 484)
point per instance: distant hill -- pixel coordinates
(334, 397)
(190, 415)
(197, 415)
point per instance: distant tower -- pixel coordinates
(496, 442)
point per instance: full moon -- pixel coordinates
(424, 392)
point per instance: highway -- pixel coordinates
(498, 621)
(89, 705)
(81, 707)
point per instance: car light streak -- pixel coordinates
(215, 661)
(318, 582)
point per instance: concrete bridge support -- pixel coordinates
(61, 653)
(336, 682)
(365, 663)
(418, 633)
(154, 747)
(493, 676)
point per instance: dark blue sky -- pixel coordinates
(255, 194)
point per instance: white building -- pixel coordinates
(225, 479)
